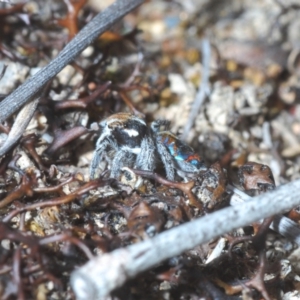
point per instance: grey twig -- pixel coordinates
(21, 122)
(203, 91)
(281, 224)
(267, 138)
(101, 275)
(86, 36)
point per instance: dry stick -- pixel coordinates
(185, 187)
(56, 201)
(281, 224)
(21, 122)
(203, 89)
(85, 37)
(101, 275)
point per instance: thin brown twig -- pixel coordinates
(68, 238)
(185, 187)
(58, 201)
(127, 101)
(16, 273)
(23, 189)
(83, 102)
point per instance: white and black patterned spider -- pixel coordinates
(132, 143)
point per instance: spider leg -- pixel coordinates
(146, 158)
(101, 146)
(167, 160)
(187, 167)
(123, 158)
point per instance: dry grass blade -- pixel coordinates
(19, 126)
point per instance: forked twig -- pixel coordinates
(185, 187)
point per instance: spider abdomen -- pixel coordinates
(179, 150)
(126, 130)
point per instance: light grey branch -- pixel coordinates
(103, 21)
(267, 138)
(97, 278)
(203, 91)
(281, 224)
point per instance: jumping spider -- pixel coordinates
(134, 144)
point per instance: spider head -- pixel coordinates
(126, 130)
